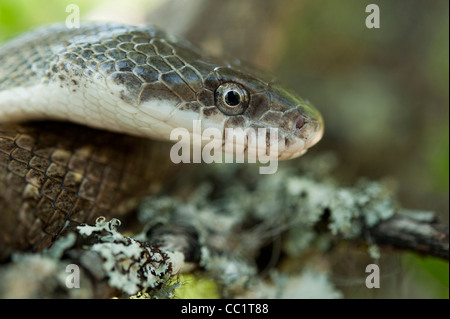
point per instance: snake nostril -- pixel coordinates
(299, 123)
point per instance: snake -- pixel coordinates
(86, 113)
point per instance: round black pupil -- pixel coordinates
(232, 98)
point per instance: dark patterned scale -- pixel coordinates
(57, 175)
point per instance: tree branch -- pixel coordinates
(413, 231)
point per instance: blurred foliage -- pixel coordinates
(432, 273)
(17, 16)
(384, 93)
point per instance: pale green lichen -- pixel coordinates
(38, 276)
(374, 252)
(61, 245)
(131, 266)
(196, 287)
(235, 216)
(309, 284)
(166, 291)
(285, 203)
(227, 269)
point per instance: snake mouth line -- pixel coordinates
(300, 138)
(312, 132)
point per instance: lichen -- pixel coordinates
(308, 284)
(219, 229)
(131, 265)
(237, 214)
(38, 276)
(196, 286)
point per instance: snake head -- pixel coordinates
(249, 101)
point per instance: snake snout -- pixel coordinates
(307, 126)
(312, 132)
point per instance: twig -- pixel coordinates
(407, 231)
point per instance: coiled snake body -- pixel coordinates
(119, 85)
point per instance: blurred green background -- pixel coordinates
(384, 93)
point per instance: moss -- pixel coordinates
(196, 287)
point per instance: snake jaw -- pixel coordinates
(299, 128)
(317, 130)
(309, 128)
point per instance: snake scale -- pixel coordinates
(82, 110)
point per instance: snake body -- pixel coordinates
(120, 85)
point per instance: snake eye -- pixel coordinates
(231, 98)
